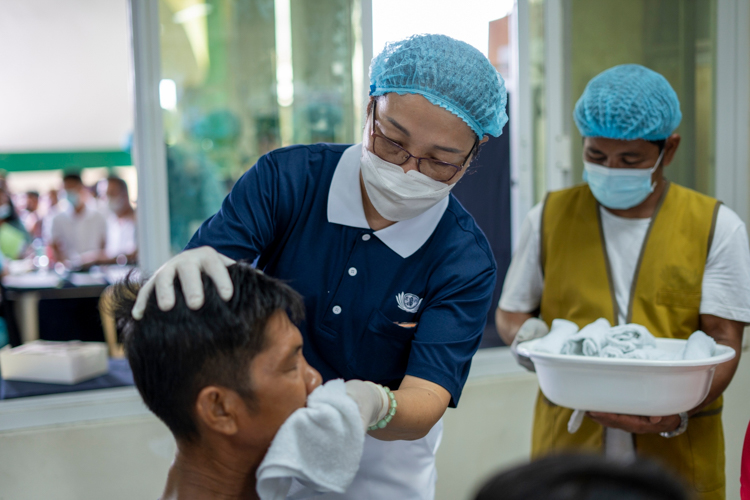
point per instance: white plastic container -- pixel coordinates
(626, 386)
(54, 362)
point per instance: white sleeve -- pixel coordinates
(522, 290)
(726, 279)
(55, 228)
(102, 222)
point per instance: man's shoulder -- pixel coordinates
(299, 166)
(93, 215)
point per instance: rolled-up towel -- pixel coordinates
(699, 346)
(610, 351)
(631, 337)
(561, 331)
(590, 340)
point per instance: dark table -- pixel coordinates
(119, 376)
(65, 312)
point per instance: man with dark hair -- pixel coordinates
(583, 477)
(78, 229)
(223, 378)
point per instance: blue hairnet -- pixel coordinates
(448, 73)
(628, 102)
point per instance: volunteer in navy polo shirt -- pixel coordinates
(396, 275)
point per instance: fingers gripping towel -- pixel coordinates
(320, 446)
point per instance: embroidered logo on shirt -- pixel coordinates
(408, 302)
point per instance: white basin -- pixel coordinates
(627, 386)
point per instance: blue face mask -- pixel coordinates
(620, 188)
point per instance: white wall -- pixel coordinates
(128, 458)
(65, 69)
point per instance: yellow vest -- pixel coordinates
(665, 297)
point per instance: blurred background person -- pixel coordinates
(31, 216)
(121, 233)
(78, 229)
(745, 468)
(53, 207)
(583, 477)
(13, 235)
(120, 247)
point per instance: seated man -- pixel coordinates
(578, 477)
(223, 378)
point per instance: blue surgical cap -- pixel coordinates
(448, 73)
(628, 102)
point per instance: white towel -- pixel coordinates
(630, 337)
(699, 346)
(319, 445)
(590, 340)
(561, 331)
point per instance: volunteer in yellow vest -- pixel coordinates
(632, 247)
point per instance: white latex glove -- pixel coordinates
(371, 399)
(188, 265)
(532, 328)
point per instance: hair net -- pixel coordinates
(628, 102)
(448, 73)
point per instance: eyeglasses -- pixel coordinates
(391, 152)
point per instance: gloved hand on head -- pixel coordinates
(532, 328)
(188, 265)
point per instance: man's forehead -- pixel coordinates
(606, 145)
(283, 339)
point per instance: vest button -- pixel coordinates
(352, 271)
(336, 309)
(365, 237)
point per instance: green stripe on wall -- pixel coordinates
(21, 162)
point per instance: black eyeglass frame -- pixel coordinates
(419, 159)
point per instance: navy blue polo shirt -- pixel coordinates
(410, 299)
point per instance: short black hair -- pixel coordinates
(584, 477)
(35, 194)
(72, 176)
(175, 354)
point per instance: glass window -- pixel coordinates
(675, 38)
(538, 101)
(243, 77)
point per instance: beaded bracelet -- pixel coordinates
(388, 416)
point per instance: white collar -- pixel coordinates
(345, 208)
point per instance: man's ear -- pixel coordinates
(670, 148)
(219, 409)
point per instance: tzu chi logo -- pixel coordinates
(408, 302)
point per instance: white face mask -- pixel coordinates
(116, 204)
(399, 195)
(5, 211)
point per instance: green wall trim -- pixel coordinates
(21, 162)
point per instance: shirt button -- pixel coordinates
(352, 271)
(365, 237)
(336, 309)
